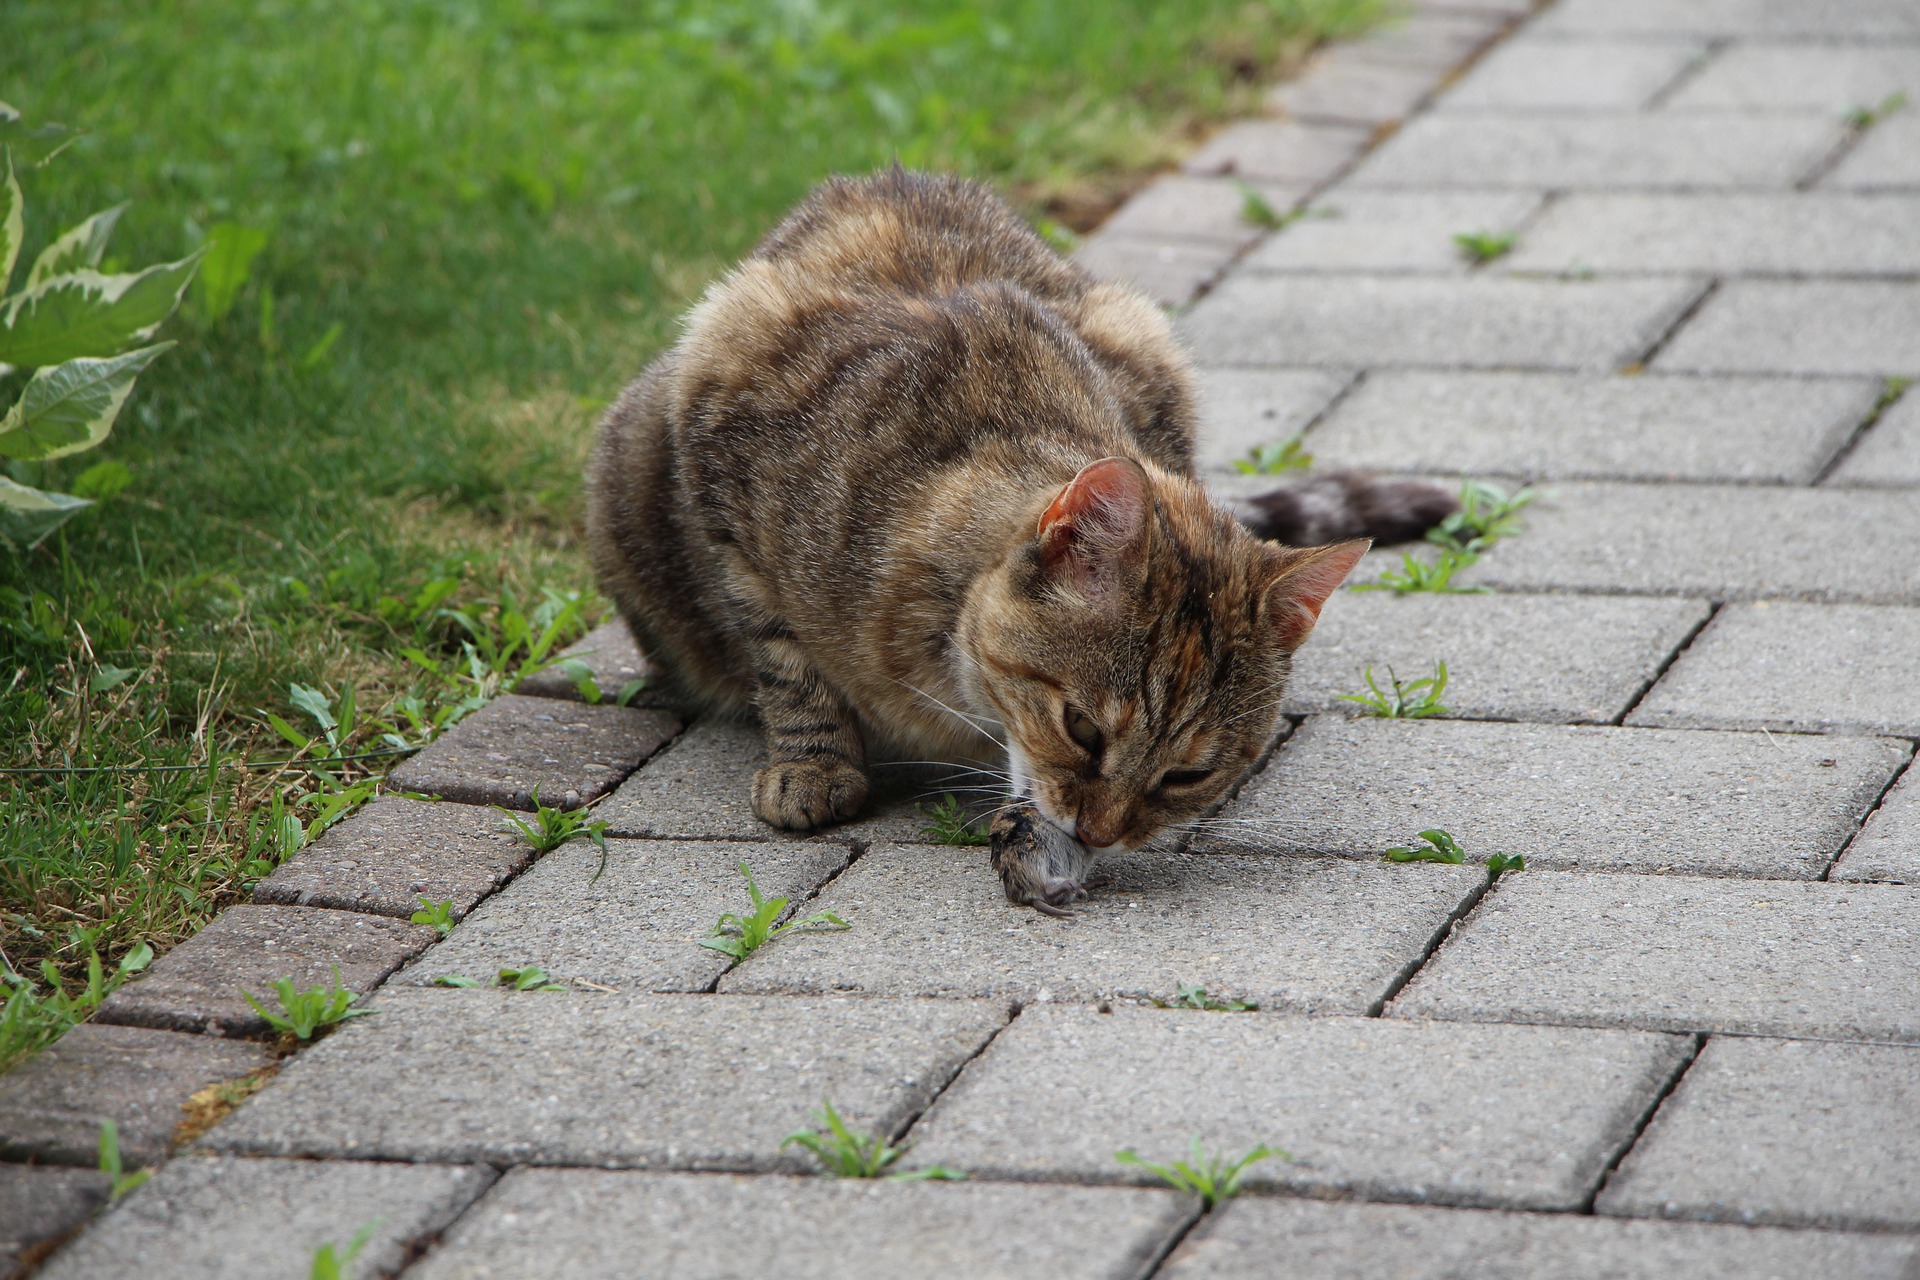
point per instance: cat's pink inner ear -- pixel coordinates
(1093, 526)
(1306, 580)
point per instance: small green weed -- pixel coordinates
(1867, 117)
(329, 1265)
(948, 823)
(552, 827)
(437, 914)
(1257, 211)
(1197, 998)
(1415, 574)
(589, 689)
(1408, 700)
(1212, 1178)
(530, 977)
(1275, 458)
(1484, 246)
(844, 1153)
(740, 936)
(110, 1164)
(1501, 863)
(1487, 514)
(1438, 846)
(30, 1021)
(305, 1012)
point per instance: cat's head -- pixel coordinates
(1136, 648)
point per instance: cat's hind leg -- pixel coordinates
(816, 770)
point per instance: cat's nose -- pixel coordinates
(1096, 833)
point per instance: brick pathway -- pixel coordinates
(1684, 1041)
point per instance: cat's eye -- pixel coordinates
(1082, 729)
(1185, 777)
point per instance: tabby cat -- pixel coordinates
(910, 482)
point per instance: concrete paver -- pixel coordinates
(1211, 210)
(1826, 19)
(1278, 151)
(1888, 455)
(1800, 667)
(1434, 39)
(1364, 1242)
(1566, 427)
(594, 1224)
(1885, 158)
(1597, 798)
(40, 1205)
(1312, 936)
(1888, 846)
(1241, 409)
(1366, 1107)
(265, 1219)
(1834, 961)
(647, 1081)
(1835, 78)
(1342, 89)
(612, 659)
(1169, 273)
(1793, 1132)
(1391, 231)
(1566, 75)
(1803, 326)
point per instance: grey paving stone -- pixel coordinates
(1832, 961)
(637, 927)
(197, 985)
(1434, 40)
(1589, 152)
(1797, 233)
(1888, 455)
(1340, 88)
(1390, 231)
(1313, 936)
(1243, 408)
(394, 852)
(1565, 796)
(40, 1207)
(1368, 1108)
(1809, 668)
(1209, 210)
(651, 1081)
(1483, 322)
(213, 1219)
(1171, 274)
(1822, 19)
(1565, 75)
(52, 1104)
(1509, 657)
(1889, 156)
(1834, 78)
(572, 753)
(1721, 541)
(1279, 151)
(1555, 426)
(591, 1224)
(1793, 1132)
(1252, 1235)
(613, 660)
(1888, 847)
(1801, 326)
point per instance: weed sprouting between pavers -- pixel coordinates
(1862, 118)
(552, 828)
(1438, 846)
(528, 977)
(1197, 998)
(30, 1021)
(330, 1265)
(1213, 1178)
(1487, 514)
(305, 1012)
(437, 915)
(1415, 574)
(1485, 246)
(843, 1153)
(740, 936)
(111, 1165)
(947, 823)
(1274, 458)
(1408, 699)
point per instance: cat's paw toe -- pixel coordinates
(799, 795)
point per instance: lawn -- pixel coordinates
(497, 210)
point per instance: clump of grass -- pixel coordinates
(331, 1265)
(1274, 458)
(1213, 1178)
(437, 914)
(1487, 514)
(302, 1013)
(947, 823)
(1408, 699)
(1415, 574)
(1861, 118)
(1257, 211)
(30, 1020)
(528, 977)
(741, 935)
(1197, 998)
(110, 1164)
(553, 827)
(1485, 246)
(845, 1153)
(1437, 846)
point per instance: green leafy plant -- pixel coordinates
(80, 331)
(948, 823)
(455, 980)
(30, 1021)
(1500, 863)
(1415, 574)
(741, 935)
(1867, 117)
(528, 977)
(1212, 1178)
(1487, 514)
(437, 914)
(1408, 699)
(844, 1153)
(110, 1164)
(1437, 846)
(1256, 210)
(1197, 998)
(553, 827)
(329, 1265)
(304, 1012)
(1484, 246)
(225, 270)
(1275, 458)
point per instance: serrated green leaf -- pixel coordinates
(69, 407)
(86, 314)
(77, 249)
(231, 249)
(28, 515)
(13, 223)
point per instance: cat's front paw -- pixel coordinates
(799, 795)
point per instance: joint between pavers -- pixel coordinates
(1715, 47)
(905, 1128)
(1175, 1238)
(1826, 872)
(1673, 328)
(1457, 918)
(1686, 642)
(1698, 1041)
(1891, 396)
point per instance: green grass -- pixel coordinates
(303, 1013)
(467, 225)
(1213, 1178)
(1274, 458)
(740, 936)
(947, 823)
(114, 1167)
(843, 1152)
(1485, 246)
(1197, 998)
(1407, 699)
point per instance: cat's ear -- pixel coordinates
(1305, 579)
(1095, 528)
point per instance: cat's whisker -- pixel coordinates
(972, 722)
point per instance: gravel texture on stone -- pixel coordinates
(215, 1219)
(1833, 961)
(1391, 231)
(1367, 1108)
(1479, 322)
(1794, 1132)
(1509, 657)
(637, 925)
(586, 1078)
(1170, 274)
(1597, 798)
(394, 852)
(1241, 409)
(1888, 157)
(1888, 847)
(1562, 75)
(594, 1224)
(1888, 455)
(571, 753)
(1833, 78)
(1180, 207)
(612, 659)
(1807, 668)
(1565, 427)
(1824, 19)
(1801, 326)
(40, 1205)
(52, 1104)
(1341, 89)
(1314, 936)
(1367, 1242)
(197, 986)
(1278, 151)
(1726, 542)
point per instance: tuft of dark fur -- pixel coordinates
(1341, 505)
